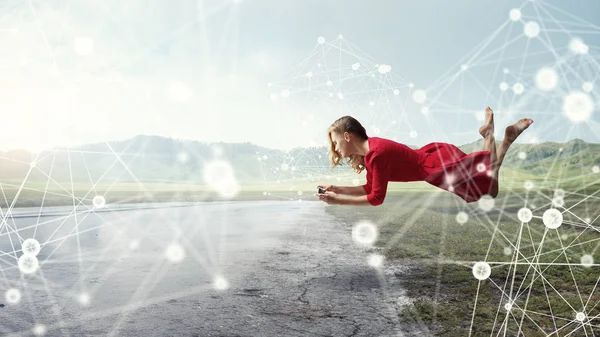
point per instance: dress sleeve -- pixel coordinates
(380, 167)
(369, 183)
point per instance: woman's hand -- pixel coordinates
(329, 188)
(329, 197)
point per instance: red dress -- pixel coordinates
(440, 164)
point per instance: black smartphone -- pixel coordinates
(320, 190)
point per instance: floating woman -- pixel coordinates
(469, 176)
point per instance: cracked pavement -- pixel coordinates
(292, 270)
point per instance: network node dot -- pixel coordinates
(578, 106)
(364, 233)
(28, 263)
(531, 29)
(482, 270)
(577, 46)
(546, 79)
(220, 283)
(84, 299)
(13, 296)
(31, 246)
(99, 201)
(518, 88)
(525, 214)
(39, 330)
(462, 217)
(587, 260)
(175, 253)
(552, 218)
(375, 260)
(514, 14)
(486, 203)
(384, 68)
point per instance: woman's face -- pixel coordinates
(339, 144)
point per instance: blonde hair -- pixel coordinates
(351, 125)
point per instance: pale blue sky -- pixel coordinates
(86, 71)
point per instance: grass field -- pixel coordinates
(536, 269)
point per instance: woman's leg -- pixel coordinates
(510, 135)
(489, 144)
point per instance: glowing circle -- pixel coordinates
(546, 79)
(384, 68)
(375, 260)
(13, 296)
(518, 88)
(514, 14)
(175, 253)
(482, 270)
(99, 201)
(552, 218)
(28, 263)
(531, 29)
(217, 173)
(462, 217)
(39, 330)
(577, 46)
(220, 283)
(364, 233)
(486, 203)
(578, 106)
(587, 260)
(525, 214)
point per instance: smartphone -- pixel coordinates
(320, 190)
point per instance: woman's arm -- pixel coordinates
(355, 201)
(350, 190)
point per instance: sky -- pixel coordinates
(277, 73)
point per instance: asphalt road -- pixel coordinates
(259, 268)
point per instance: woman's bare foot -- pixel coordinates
(513, 131)
(488, 127)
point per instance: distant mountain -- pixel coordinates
(159, 159)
